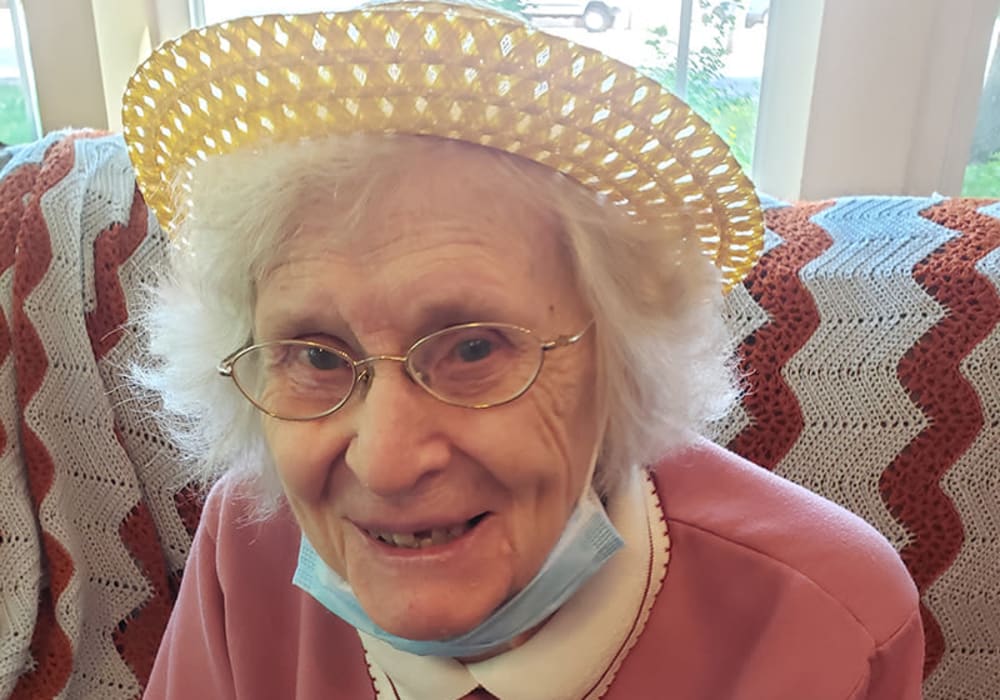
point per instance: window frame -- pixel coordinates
(24, 64)
(854, 101)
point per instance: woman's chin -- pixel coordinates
(429, 617)
(425, 606)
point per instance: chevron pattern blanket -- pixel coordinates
(870, 341)
(868, 337)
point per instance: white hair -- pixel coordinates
(663, 349)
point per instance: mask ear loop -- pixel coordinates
(589, 493)
(601, 427)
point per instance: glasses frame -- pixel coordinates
(363, 372)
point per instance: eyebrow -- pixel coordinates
(451, 312)
(321, 316)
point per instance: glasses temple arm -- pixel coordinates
(564, 340)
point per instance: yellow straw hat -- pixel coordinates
(448, 70)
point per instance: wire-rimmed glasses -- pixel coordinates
(474, 365)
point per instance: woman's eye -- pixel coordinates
(324, 359)
(474, 350)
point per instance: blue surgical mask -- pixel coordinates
(588, 540)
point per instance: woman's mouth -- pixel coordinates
(425, 538)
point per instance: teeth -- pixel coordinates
(404, 540)
(425, 538)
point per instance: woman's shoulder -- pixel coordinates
(244, 525)
(724, 503)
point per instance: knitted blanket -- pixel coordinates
(870, 342)
(93, 530)
(869, 339)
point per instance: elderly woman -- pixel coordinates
(442, 314)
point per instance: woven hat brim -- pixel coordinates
(446, 71)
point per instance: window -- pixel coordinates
(982, 177)
(711, 52)
(18, 122)
(855, 97)
(213, 11)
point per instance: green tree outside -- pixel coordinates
(731, 112)
(15, 118)
(15, 122)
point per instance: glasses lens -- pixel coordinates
(295, 379)
(477, 365)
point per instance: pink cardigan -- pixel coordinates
(772, 593)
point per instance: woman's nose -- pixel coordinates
(397, 442)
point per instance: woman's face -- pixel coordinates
(447, 243)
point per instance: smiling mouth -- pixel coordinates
(425, 538)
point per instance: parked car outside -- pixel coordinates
(595, 15)
(757, 12)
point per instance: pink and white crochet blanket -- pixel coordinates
(869, 339)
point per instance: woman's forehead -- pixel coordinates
(325, 293)
(415, 259)
(450, 198)
(435, 226)
(392, 298)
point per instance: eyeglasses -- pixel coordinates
(474, 365)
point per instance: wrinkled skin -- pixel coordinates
(439, 247)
